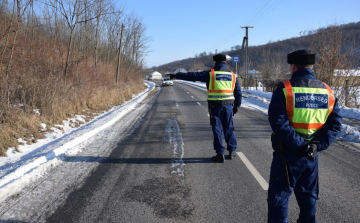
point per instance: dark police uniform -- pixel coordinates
(221, 105)
(302, 112)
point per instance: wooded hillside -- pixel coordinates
(59, 58)
(336, 47)
(348, 36)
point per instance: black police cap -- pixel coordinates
(303, 57)
(219, 58)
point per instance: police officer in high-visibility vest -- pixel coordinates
(305, 118)
(224, 99)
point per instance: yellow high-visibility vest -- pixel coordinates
(221, 85)
(308, 108)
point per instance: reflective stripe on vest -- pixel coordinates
(308, 108)
(221, 85)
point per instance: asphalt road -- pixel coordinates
(161, 171)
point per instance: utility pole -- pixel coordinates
(246, 38)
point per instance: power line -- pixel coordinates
(267, 11)
(259, 12)
(227, 37)
(253, 15)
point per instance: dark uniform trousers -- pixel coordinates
(303, 177)
(222, 123)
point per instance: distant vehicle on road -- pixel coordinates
(166, 81)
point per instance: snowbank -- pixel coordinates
(349, 134)
(353, 113)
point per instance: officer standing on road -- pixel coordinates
(305, 118)
(224, 99)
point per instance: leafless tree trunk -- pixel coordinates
(119, 55)
(32, 25)
(68, 51)
(97, 37)
(134, 44)
(4, 50)
(19, 14)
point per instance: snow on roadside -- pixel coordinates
(256, 103)
(349, 133)
(259, 93)
(353, 113)
(55, 133)
(57, 143)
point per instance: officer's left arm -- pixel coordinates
(327, 134)
(280, 123)
(202, 76)
(237, 95)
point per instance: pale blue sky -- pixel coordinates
(180, 29)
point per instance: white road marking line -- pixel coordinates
(208, 115)
(254, 172)
(192, 96)
(199, 103)
(187, 92)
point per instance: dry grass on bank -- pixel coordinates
(35, 82)
(24, 123)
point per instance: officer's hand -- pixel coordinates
(310, 150)
(172, 76)
(235, 110)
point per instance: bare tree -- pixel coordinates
(19, 12)
(273, 68)
(102, 8)
(119, 55)
(73, 12)
(335, 52)
(140, 44)
(327, 45)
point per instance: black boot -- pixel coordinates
(218, 158)
(231, 155)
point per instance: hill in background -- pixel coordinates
(337, 47)
(340, 37)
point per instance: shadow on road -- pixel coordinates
(93, 159)
(13, 221)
